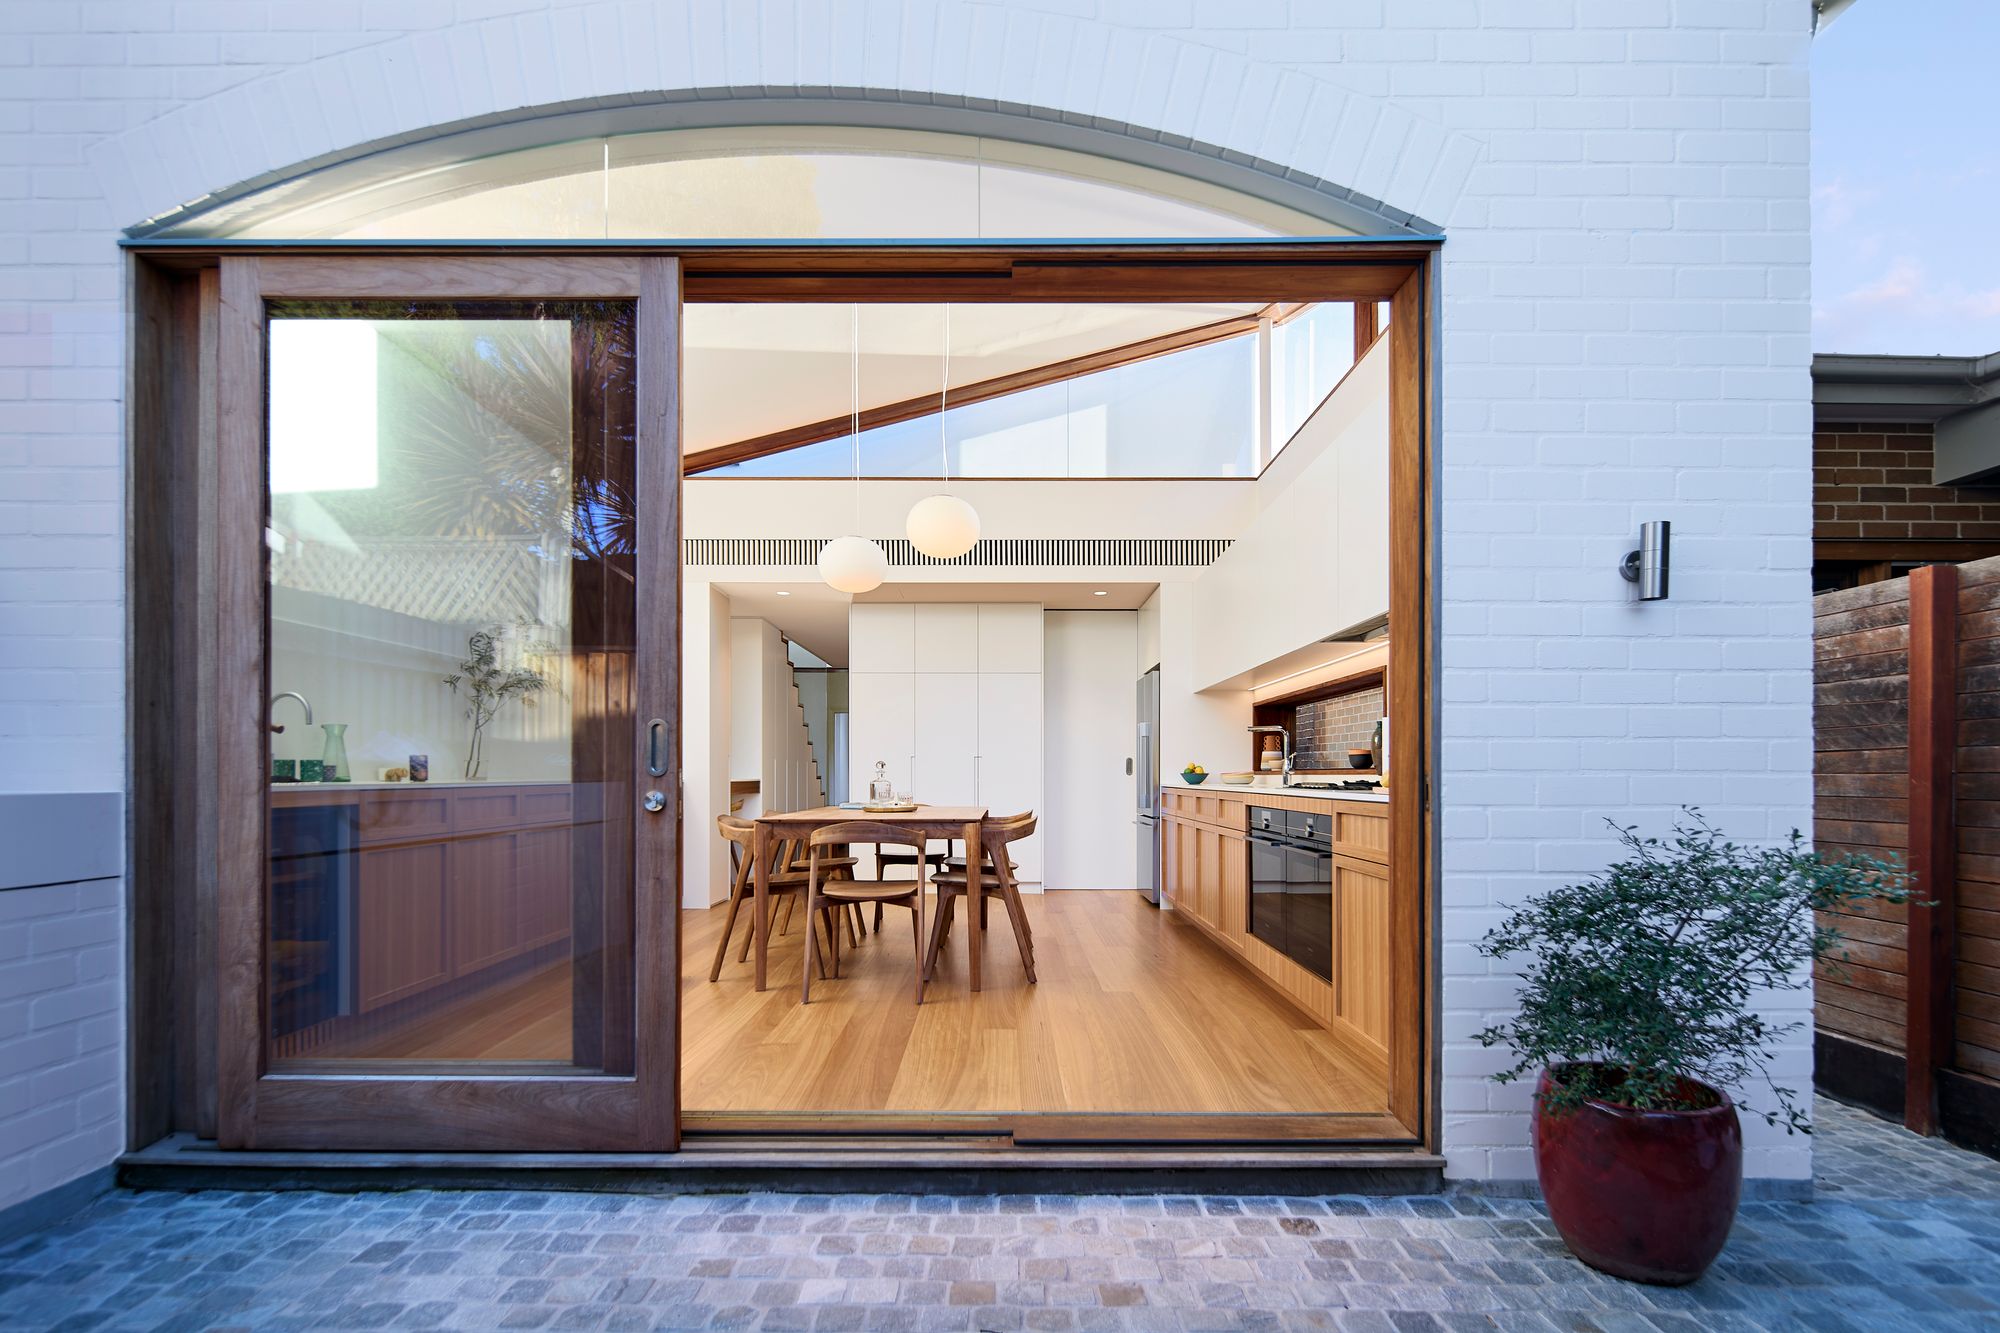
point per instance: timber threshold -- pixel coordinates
(806, 1165)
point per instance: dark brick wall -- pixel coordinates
(1873, 482)
(1325, 728)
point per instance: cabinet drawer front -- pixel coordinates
(1364, 835)
(509, 807)
(403, 816)
(1224, 811)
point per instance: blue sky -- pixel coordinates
(1906, 179)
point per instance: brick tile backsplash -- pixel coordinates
(1326, 728)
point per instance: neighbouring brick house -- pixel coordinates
(1906, 465)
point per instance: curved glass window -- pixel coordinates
(773, 182)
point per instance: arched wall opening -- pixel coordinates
(691, 170)
(739, 215)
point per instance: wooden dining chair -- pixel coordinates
(996, 879)
(791, 855)
(823, 891)
(886, 861)
(785, 885)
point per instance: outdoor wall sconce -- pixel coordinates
(1647, 566)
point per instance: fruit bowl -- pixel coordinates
(1193, 778)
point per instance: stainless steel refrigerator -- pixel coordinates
(1146, 768)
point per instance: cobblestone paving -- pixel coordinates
(1904, 1234)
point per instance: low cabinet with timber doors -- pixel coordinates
(1205, 875)
(422, 887)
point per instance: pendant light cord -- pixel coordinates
(854, 402)
(944, 394)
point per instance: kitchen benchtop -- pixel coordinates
(1253, 791)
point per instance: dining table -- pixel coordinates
(933, 821)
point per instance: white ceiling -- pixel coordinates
(756, 368)
(814, 616)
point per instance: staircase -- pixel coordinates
(815, 777)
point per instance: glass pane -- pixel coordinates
(1309, 354)
(451, 540)
(792, 181)
(1190, 413)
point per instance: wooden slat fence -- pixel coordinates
(1976, 786)
(1906, 712)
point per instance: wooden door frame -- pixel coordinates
(260, 1109)
(1402, 273)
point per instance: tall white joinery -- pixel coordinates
(949, 696)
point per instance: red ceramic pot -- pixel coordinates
(1644, 1195)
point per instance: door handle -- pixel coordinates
(656, 801)
(655, 765)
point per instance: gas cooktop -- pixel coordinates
(1351, 784)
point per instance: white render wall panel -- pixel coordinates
(1624, 336)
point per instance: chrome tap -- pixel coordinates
(276, 728)
(1286, 779)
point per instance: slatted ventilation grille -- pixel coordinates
(1016, 552)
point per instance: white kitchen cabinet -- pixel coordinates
(882, 637)
(950, 697)
(881, 724)
(946, 711)
(1010, 637)
(945, 637)
(1010, 756)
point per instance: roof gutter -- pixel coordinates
(1959, 396)
(1826, 11)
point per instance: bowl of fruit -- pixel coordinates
(1194, 775)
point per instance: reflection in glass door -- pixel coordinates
(452, 608)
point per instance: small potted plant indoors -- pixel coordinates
(486, 686)
(1636, 1013)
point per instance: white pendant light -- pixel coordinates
(943, 527)
(854, 564)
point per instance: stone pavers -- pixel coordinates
(1904, 1234)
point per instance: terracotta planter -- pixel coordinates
(1644, 1195)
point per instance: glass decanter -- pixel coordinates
(880, 790)
(333, 760)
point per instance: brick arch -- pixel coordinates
(1139, 96)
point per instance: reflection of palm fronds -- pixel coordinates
(507, 436)
(486, 455)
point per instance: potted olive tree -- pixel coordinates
(1637, 1012)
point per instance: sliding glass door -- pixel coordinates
(451, 489)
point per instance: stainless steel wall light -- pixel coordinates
(1647, 566)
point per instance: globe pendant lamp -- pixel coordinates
(853, 564)
(943, 527)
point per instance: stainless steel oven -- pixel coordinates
(1291, 885)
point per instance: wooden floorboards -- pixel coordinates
(1135, 1013)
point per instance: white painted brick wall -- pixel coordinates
(1625, 336)
(62, 1110)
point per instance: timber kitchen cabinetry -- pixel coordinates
(1205, 874)
(419, 886)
